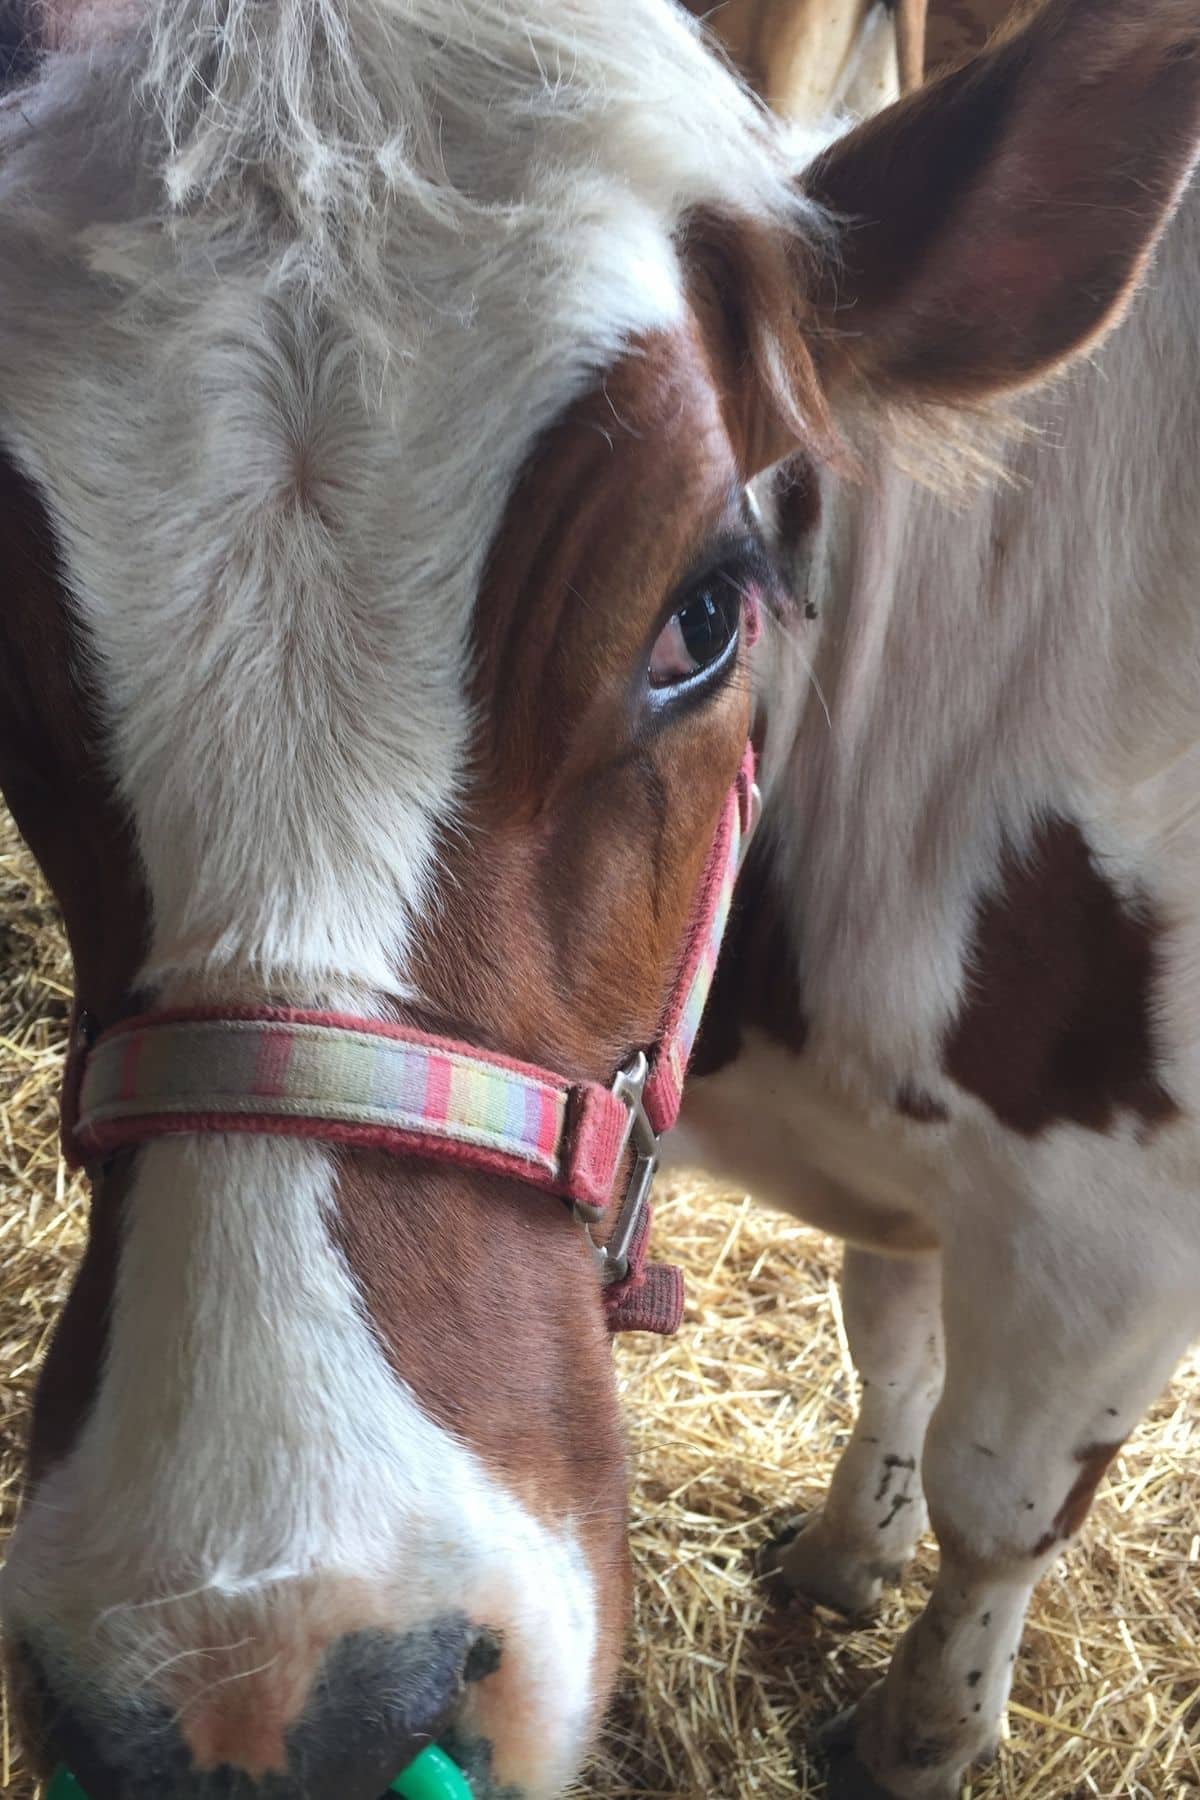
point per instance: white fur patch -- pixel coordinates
(275, 352)
(249, 1441)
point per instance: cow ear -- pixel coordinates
(997, 222)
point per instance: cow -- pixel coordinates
(957, 1024)
(380, 383)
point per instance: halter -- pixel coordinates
(342, 1080)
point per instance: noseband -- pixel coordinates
(341, 1080)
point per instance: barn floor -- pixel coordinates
(733, 1427)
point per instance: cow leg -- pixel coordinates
(874, 1512)
(871, 78)
(1053, 1350)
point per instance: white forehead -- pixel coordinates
(287, 295)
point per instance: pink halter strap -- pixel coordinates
(370, 1085)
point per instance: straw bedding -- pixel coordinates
(734, 1427)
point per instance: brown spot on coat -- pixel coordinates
(1058, 1025)
(566, 895)
(52, 757)
(1093, 1461)
(52, 777)
(70, 1375)
(749, 289)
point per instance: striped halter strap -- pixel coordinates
(368, 1085)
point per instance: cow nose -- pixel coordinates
(376, 1702)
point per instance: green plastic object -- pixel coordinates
(431, 1777)
(63, 1786)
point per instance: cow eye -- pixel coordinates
(700, 635)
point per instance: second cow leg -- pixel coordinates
(874, 1512)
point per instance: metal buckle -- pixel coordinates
(629, 1086)
(612, 1258)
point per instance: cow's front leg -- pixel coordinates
(874, 1512)
(1054, 1347)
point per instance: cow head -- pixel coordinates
(378, 389)
(375, 552)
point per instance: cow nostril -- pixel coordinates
(483, 1658)
(378, 1703)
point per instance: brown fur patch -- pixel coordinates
(52, 760)
(1093, 1461)
(563, 906)
(51, 774)
(566, 898)
(1059, 1023)
(482, 1297)
(750, 288)
(70, 1375)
